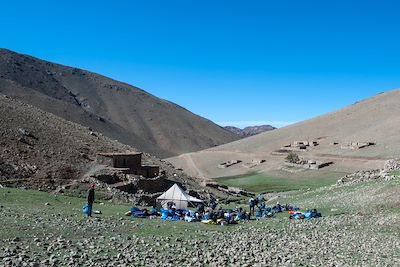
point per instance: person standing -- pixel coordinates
(252, 204)
(90, 199)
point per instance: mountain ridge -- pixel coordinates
(119, 110)
(250, 130)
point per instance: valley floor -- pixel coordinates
(360, 227)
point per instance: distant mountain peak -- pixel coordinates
(250, 131)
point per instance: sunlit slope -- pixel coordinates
(375, 120)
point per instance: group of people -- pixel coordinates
(259, 208)
(211, 214)
(263, 211)
(225, 216)
(207, 214)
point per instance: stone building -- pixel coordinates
(131, 163)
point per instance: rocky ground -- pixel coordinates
(360, 228)
(42, 151)
(338, 241)
(388, 173)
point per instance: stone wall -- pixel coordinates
(356, 145)
(309, 164)
(229, 164)
(385, 174)
(300, 146)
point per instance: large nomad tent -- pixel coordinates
(176, 195)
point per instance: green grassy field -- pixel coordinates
(262, 182)
(58, 233)
(23, 202)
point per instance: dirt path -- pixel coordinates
(190, 163)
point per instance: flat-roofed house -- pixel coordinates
(132, 163)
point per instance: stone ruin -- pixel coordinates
(353, 145)
(227, 189)
(254, 163)
(127, 180)
(300, 146)
(131, 188)
(385, 174)
(309, 164)
(229, 164)
(139, 190)
(131, 163)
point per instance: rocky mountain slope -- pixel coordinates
(118, 110)
(250, 131)
(359, 137)
(42, 151)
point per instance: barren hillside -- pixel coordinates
(41, 150)
(118, 110)
(358, 137)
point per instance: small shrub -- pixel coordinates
(292, 157)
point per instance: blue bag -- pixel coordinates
(85, 209)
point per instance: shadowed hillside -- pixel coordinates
(118, 110)
(41, 150)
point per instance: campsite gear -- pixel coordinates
(224, 223)
(154, 212)
(210, 222)
(189, 218)
(176, 195)
(85, 209)
(167, 215)
(307, 215)
(313, 214)
(137, 213)
(128, 213)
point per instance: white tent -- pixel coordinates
(176, 195)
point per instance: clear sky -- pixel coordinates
(234, 62)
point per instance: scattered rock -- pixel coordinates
(372, 175)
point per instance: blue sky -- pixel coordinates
(234, 62)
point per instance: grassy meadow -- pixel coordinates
(50, 230)
(259, 182)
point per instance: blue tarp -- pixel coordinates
(169, 215)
